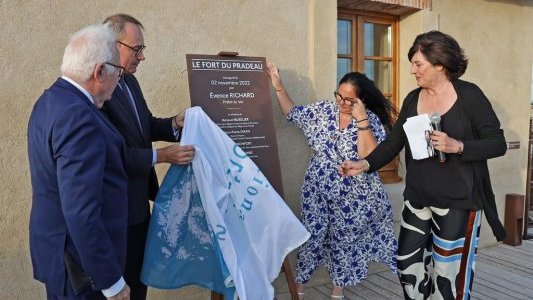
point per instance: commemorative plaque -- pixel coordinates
(234, 92)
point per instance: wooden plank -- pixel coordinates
(525, 247)
(482, 292)
(477, 296)
(363, 292)
(507, 287)
(324, 289)
(504, 275)
(504, 264)
(511, 253)
(489, 289)
(283, 296)
(315, 294)
(509, 258)
(390, 276)
(379, 290)
(311, 293)
(391, 286)
(347, 294)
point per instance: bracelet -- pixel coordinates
(279, 90)
(461, 147)
(363, 128)
(362, 120)
(367, 164)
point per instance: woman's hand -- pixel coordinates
(442, 142)
(273, 74)
(284, 100)
(351, 168)
(359, 112)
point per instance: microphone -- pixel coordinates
(434, 117)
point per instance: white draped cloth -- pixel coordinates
(253, 226)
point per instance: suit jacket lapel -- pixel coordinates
(126, 104)
(65, 84)
(139, 104)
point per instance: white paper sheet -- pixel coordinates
(415, 128)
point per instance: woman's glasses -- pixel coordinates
(343, 100)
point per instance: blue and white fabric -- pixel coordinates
(251, 224)
(350, 218)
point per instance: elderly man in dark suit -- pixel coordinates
(129, 112)
(78, 221)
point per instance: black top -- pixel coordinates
(445, 185)
(478, 128)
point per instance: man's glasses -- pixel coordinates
(345, 101)
(119, 68)
(431, 151)
(138, 50)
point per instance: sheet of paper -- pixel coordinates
(416, 129)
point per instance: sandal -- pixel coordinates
(337, 297)
(301, 295)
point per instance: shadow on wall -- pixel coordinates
(292, 146)
(502, 114)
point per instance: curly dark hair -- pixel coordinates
(372, 97)
(441, 49)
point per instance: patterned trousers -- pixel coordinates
(437, 251)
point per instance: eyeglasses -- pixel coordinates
(138, 50)
(431, 151)
(119, 68)
(346, 101)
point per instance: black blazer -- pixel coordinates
(142, 179)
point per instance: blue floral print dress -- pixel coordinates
(349, 218)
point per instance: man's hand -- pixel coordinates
(176, 154)
(124, 294)
(352, 168)
(179, 120)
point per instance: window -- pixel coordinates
(368, 43)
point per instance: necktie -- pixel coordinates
(128, 94)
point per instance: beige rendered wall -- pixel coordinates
(34, 34)
(298, 35)
(497, 38)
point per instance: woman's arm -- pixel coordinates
(489, 140)
(284, 100)
(366, 141)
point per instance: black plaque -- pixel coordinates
(234, 92)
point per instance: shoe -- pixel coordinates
(337, 297)
(301, 295)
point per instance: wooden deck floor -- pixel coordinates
(502, 272)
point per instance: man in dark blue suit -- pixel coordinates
(78, 221)
(129, 112)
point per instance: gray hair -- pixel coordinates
(92, 45)
(118, 21)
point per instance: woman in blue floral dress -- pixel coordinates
(349, 218)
